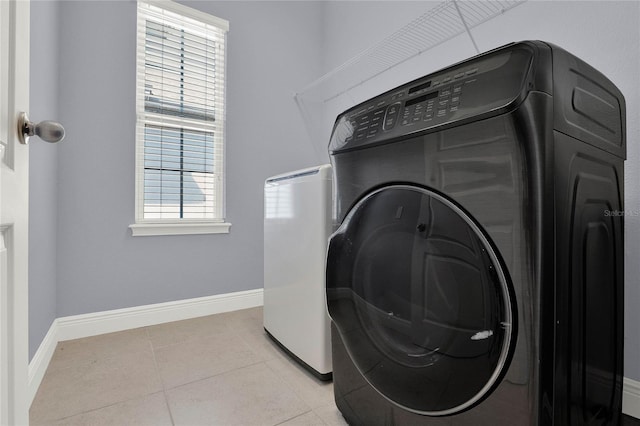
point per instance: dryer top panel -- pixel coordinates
(479, 86)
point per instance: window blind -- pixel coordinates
(180, 114)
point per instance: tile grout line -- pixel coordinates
(164, 391)
(215, 375)
(299, 415)
(88, 361)
(229, 330)
(293, 370)
(289, 386)
(166, 401)
(101, 408)
(245, 331)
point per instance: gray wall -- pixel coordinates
(43, 173)
(605, 34)
(83, 258)
(97, 263)
(272, 48)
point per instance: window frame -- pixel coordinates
(177, 226)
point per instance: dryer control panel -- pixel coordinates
(480, 85)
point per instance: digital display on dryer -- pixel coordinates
(420, 87)
(421, 99)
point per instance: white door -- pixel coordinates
(14, 213)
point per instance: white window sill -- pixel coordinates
(196, 228)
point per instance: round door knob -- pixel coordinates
(48, 131)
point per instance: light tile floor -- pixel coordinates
(217, 370)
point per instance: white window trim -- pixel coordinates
(183, 228)
(154, 227)
(190, 13)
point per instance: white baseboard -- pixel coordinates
(40, 361)
(93, 324)
(631, 398)
(78, 326)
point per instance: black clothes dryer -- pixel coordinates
(476, 273)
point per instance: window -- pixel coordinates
(180, 107)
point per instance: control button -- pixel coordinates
(381, 103)
(445, 91)
(457, 90)
(360, 135)
(473, 71)
(453, 108)
(364, 118)
(374, 125)
(416, 118)
(391, 116)
(378, 112)
(428, 115)
(441, 113)
(362, 128)
(405, 121)
(455, 99)
(459, 75)
(376, 119)
(372, 133)
(362, 111)
(446, 80)
(443, 103)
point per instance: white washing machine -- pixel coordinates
(297, 225)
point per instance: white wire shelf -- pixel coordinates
(439, 24)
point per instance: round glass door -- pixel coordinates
(420, 300)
